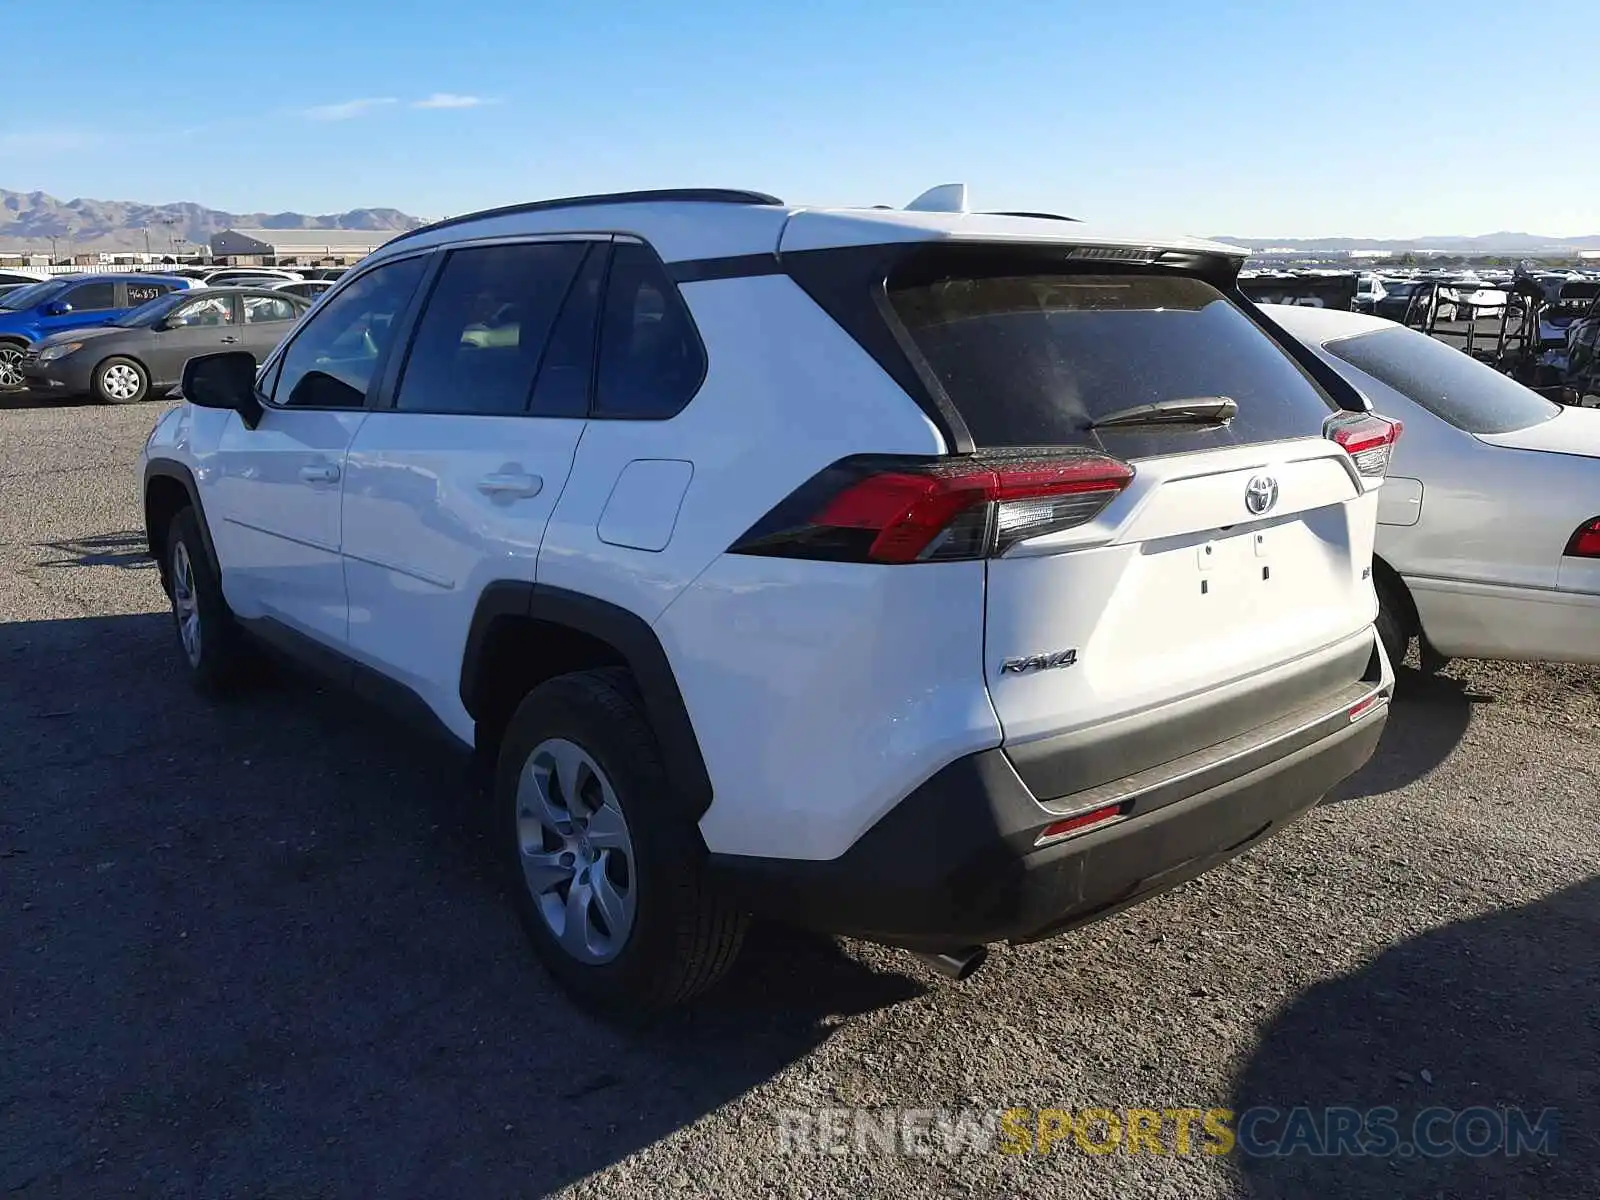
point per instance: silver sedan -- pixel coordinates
(1489, 521)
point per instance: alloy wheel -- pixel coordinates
(576, 850)
(11, 376)
(186, 603)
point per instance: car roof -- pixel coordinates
(684, 225)
(203, 293)
(1325, 324)
(115, 276)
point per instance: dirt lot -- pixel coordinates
(257, 950)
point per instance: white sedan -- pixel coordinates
(1489, 521)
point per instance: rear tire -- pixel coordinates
(210, 643)
(1394, 621)
(121, 381)
(583, 805)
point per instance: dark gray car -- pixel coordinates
(143, 352)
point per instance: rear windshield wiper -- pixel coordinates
(1195, 410)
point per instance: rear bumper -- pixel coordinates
(957, 862)
(1467, 619)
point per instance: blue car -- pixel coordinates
(33, 312)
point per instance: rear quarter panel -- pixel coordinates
(820, 693)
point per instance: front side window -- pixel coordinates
(31, 294)
(1453, 386)
(483, 332)
(91, 297)
(332, 362)
(651, 359)
(207, 313)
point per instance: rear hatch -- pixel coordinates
(1208, 571)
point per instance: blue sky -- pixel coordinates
(1276, 117)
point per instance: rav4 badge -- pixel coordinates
(1038, 662)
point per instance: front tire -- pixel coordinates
(121, 381)
(209, 640)
(608, 871)
(11, 377)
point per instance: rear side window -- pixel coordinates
(651, 359)
(92, 297)
(143, 293)
(567, 370)
(1453, 386)
(258, 309)
(1034, 359)
(483, 332)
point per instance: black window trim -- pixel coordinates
(384, 387)
(382, 397)
(432, 256)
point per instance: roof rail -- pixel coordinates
(659, 195)
(1038, 216)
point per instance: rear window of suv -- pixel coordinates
(1033, 359)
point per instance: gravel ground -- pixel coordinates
(256, 950)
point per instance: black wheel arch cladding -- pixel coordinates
(635, 643)
(157, 518)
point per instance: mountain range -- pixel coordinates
(1505, 242)
(28, 220)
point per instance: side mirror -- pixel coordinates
(225, 380)
(57, 308)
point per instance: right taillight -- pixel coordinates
(904, 510)
(1585, 540)
(1367, 439)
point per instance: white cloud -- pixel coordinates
(349, 109)
(450, 100)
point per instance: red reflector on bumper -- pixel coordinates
(1058, 829)
(1362, 707)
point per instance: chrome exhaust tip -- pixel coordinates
(954, 964)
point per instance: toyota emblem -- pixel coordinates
(1260, 494)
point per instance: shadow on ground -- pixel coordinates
(34, 399)
(259, 949)
(1500, 1011)
(128, 549)
(1427, 720)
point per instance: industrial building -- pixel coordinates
(296, 247)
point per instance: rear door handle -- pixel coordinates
(229, 340)
(319, 473)
(511, 484)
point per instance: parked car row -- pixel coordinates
(123, 337)
(143, 352)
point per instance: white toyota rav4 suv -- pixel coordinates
(933, 577)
